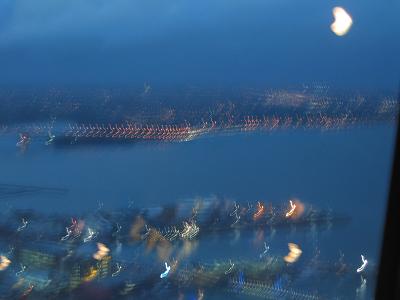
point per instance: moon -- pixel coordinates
(342, 22)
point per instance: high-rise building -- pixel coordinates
(104, 267)
(75, 277)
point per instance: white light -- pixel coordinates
(292, 208)
(342, 22)
(364, 264)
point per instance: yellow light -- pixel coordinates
(91, 274)
(342, 22)
(4, 262)
(294, 253)
(101, 252)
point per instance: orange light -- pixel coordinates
(295, 210)
(4, 262)
(101, 252)
(260, 211)
(91, 274)
(294, 253)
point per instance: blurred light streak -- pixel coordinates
(266, 249)
(119, 268)
(260, 211)
(360, 291)
(28, 290)
(294, 253)
(91, 274)
(91, 235)
(200, 294)
(101, 252)
(296, 209)
(166, 272)
(4, 262)
(292, 208)
(364, 264)
(69, 232)
(19, 273)
(23, 226)
(232, 265)
(24, 140)
(190, 230)
(76, 227)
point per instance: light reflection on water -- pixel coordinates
(346, 171)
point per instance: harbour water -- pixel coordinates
(346, 171)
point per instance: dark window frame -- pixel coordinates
(388, 285)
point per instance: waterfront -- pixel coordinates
(346, 171)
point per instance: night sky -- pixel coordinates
(215, 42)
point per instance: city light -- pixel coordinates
(101, 252)
(294, 253)
(364, 264)
(166, 272)
(4, 262)
(260, 211)
(292, 209)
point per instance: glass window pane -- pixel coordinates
(195, 149)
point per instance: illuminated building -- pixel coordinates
(104, 267)
(75, 276)
(36, 260)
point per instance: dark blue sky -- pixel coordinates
(256, 42)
